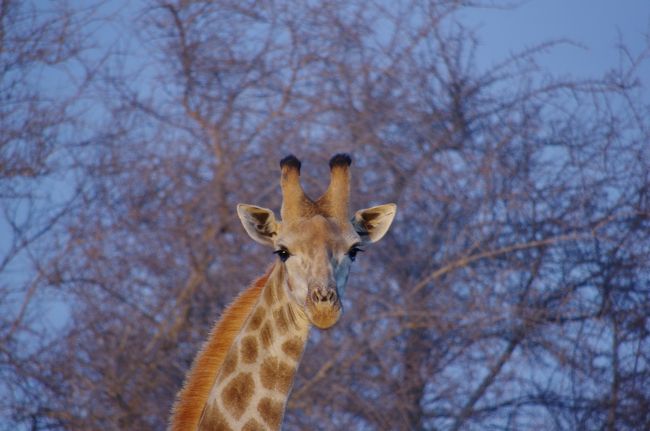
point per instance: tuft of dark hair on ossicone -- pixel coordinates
(340, 159)
(290, 161)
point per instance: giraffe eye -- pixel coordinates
(352, 253)
(283, 254)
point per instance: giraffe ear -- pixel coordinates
(373, 223)
(259, 223)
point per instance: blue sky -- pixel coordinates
(594, 24)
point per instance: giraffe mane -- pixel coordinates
(191, 400)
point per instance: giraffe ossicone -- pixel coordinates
(242, 377)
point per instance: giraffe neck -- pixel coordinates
(251, 389)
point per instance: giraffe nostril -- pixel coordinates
(323, 295)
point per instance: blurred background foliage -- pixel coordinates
(511, 293)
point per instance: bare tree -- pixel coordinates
(36, 118)
(516, 288)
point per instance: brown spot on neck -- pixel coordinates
(238, 393)
(271, 412)
(276, 374)
(257, 318)
(249, 349)
(293, 348)
(230, 363)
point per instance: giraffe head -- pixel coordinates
(317, 240)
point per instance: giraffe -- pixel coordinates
(241, 378)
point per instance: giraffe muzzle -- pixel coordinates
(323, 306)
